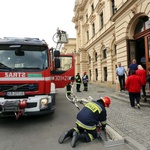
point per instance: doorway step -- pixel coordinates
(124, 96)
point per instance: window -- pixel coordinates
(29, 58)
(96, 74)
(113, 6)
(89, 59)
(92, 8)
(65, 63)
(93, 27)
(149, 47)
(87, 33)
(86, 17)
(115, 49)
(105, 73)
(104, 53)
(101, 20)
(95, 57)
(142, 25)
(90, 74)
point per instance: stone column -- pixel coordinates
(109, 67)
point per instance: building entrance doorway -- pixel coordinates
(140, 52)
(139, 47)
(147, 47)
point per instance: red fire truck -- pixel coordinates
(30, 72)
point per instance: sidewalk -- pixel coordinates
(132, 124)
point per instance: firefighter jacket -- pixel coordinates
(133, 84)
(90, 116)
(85, 78)
(78, 79)
(142, 75)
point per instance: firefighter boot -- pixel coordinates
(74, 139)
(82, 138)
(65, 135)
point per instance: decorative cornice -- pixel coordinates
(114, 34)
(83, 3)
(92, 18)
(86, 26)
(99, 6)
(91, 1)
(134, 9)
(81, 17)
(123, 8)
(76, 27)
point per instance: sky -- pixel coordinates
(36, 18)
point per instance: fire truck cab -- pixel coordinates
(30, 72)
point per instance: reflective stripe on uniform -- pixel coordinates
(91, 136)
(94, 107)
(78, 83)
(104, 122)
(76, 129)
(79, 123)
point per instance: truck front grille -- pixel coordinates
(18, 87)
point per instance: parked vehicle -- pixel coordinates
(30, 72)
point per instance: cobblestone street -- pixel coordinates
(132, 124)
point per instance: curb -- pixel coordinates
(116, 139)
(134, 144)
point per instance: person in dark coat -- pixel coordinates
(93, 114)
(78, 82)
(85, 81)
(132, 66)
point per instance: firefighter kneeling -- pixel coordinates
(87, 121)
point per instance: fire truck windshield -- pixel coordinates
(31, 59)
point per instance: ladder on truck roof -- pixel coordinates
(62, 38)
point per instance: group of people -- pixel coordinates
(90, 119)
(78, 81)
(135, 82)
(84, 80)
(94, 114)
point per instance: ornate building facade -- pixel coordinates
(108, 32)
(70, 47)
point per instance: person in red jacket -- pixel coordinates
(142, 74)
(133, 85)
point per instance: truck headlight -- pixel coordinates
(44, 103)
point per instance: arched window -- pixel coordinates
(104, 53)
(95, 56)
(142, 25)
(114, 49)
(89, 59)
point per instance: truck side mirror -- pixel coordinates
(56, 53)
(57, 63)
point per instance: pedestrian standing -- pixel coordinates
(132, 66)
(120, 73)
(142, 74)
(148, 78)
(133, 85)
(85, 81)
(78, 82)
(143, 62)
(68, 88)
